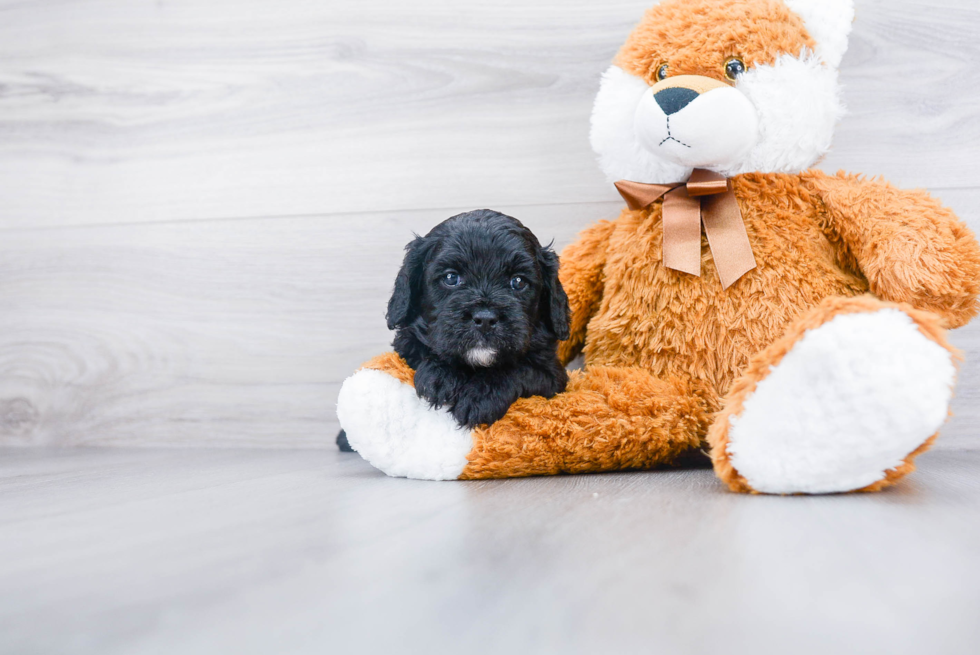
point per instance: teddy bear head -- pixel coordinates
(732, 86)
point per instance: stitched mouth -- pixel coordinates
(671, 138)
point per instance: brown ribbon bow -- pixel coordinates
(706, 197)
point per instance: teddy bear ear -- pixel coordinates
(829, 23)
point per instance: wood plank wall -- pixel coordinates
(203, 204)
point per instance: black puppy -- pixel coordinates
(478, 311)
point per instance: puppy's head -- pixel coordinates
(479, 288)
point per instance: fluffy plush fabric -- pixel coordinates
(621, 154)
(798, 105)
(396, 431)
(829, 24)
(697, 37)
(825, 368)
(629, 310)
(840, 409)
(933, 357)
(907, 245)
(609, 419)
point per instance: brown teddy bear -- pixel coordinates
(789, 321)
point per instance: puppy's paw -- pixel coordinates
(475, 406)
(436, 384)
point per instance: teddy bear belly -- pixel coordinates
(675, 324)
(660, 335)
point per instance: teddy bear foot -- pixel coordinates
(847, 406)
(397, 432)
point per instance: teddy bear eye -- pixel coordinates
(662, 72)
(733, 68)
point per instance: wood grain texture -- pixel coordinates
(112, 551)
(118, 111)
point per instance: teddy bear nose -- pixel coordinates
(485, 320)
(674, 99)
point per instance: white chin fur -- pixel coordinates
(716, 129)
(481, 357)
(796, 102)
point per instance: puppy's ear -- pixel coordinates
(554, 302)
(403, 307)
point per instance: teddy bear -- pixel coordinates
(787, 323)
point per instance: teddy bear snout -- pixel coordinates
(697, 122)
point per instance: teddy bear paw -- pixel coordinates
(397, 432)
(850, 401)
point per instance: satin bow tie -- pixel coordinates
(706, 197)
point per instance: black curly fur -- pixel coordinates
(437, 324)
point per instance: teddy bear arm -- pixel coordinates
(581, 275)
(909, 246)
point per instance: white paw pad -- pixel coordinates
(850, 401)
(397, 432)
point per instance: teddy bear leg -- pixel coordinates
(608, 419)
(843, 402)
(395, 430)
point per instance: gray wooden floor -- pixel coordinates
(109, 551)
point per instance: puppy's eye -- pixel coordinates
(517, 283)
(451, 279)
(733, 68)
(662, 72)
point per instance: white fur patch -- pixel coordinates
(829, 23)
(397, 432)
(481, 356)
(798, 103)
(850, 401)
(613, 133)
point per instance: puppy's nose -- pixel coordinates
(674, 99)
(485, 320)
